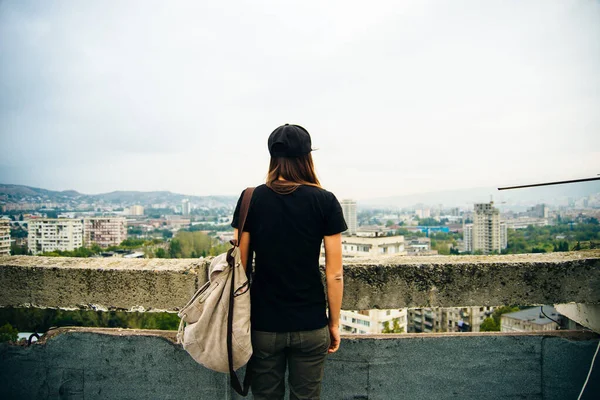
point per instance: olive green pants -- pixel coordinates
(303, 353)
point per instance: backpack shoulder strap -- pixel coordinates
(244, 211)
(233, 378)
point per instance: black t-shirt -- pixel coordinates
(286, 232)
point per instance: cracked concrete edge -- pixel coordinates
(183, 264)
(389, 282)
(575, 335)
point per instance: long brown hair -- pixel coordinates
(295, 171)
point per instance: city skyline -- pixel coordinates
(551, 195)
(399, 98)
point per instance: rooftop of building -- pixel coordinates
(535, 315)
(117, 363)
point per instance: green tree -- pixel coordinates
(489, 325)
(396, 328)
(18, 250)
(175, 249)
(134, 230)
(132, 243)
(8, 333)
(160, 253)
(493, 323)
(428, 222)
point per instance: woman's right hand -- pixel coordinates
(334, 333)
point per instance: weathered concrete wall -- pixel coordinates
(100, 283)
(83, 363)
(383, 283)
(449, 281)
(391, 282)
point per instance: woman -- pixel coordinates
(289, 218)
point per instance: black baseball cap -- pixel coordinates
(289, 141)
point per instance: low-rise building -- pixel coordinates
(49, 234)
(104, 231)
(176, 222)
(4, 237)
(524, 222)
(373, 321)
(374, 231)
(417, 245)
(353, 246)
(531, 319)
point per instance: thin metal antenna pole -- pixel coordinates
(550, 183)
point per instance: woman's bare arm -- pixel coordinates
(334, 274)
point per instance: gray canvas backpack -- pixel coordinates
(217, 318)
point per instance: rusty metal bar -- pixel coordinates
(550, 183)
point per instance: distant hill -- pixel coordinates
(17, 193)
(20, 191)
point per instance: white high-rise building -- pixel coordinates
(104, 231)
(4, 237)
(486, 228)
(136, 210)
(186, 207)
(349, 209)
(503, 235)
(50, 234)
(468, 237)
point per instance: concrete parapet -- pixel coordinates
(78, 363)
(391, 282)
(99, 283)
(455, 281)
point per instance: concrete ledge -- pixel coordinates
(444, 281)
(99, 283)
(120, 364)
(455, 281)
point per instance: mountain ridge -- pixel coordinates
(16, 193)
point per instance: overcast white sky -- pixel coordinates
(400, 97)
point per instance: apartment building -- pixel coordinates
(538, 211)
(530, 319)
(104, 231)
(447, 319)
(48, 234)
(468, 238)
(4, 237)
(487, 233)
(135, 210)
(349, 210)
(354, 246)
(372, 321)
(186, 207)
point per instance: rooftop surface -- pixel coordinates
(534, 315)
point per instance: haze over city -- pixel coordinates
(400, 97)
